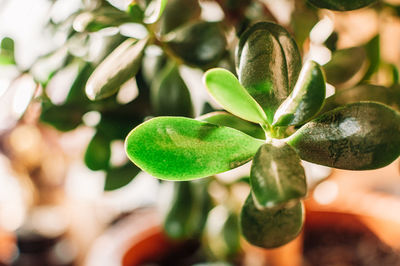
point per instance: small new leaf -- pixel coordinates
(271, 228)
(305, 100)
(177, 148)
(277, 175)
(227, 91)
(358, 136)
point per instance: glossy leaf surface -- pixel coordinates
(268, 63)
(178, 148)
(118, 177)
(341, 5)
(98, 153)
(358, 136)
(306, 98)
(345, 65)
(121, 65)
(277, 175)
(365, 92)
(199, 44)
(227, 91)
(169, 93)
(228, 120)
(154, 10)
(271, 228)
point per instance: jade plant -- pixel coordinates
(275, 113)
(275, 117)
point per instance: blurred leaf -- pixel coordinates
(64, 118)
(173, 17)
(7, 51)
(116, 127)
(136, 12)
(77, 91)
(169, 93)
(277, 175)
(188, 212)
(302, 22)
(341, 5)
(198, 44)
(98, 152)
(228, 120)
(358, 136)
(121, 65)
(120, 176)
(268, 63)
(154, 60)
(227, 91)
(271, 228)
(365, 92)
(372, 49)
(177, 148)
(345, 64)
(154, 10)
(305, 100)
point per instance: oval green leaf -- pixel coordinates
(276, 175)
(268, 63)
(177, 148)
(200, 44)
(358, 136)
(271, 228)
(227, 91)
(365, 92)
(305, 100)
(122, 64)
(98, 153)
(169, 93)
(341, 5)
(228, 120)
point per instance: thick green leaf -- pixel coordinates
(169, 93)
(358, 136)
(305, 100)
(268, 64)
(228, 120)
(277, 175)
(173, 17)
(178, 148)
(154, 10)
(346, 64)
(121, 65)
(365, 92)
(64, 118)
(188, 211)
(341, 5)
(227, 91)
(271, 228)
(200, 44)
(98, 152)
(120, 176)
(7, 52)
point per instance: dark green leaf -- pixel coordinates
(227, 91)
(188, 212)
(117, 68)
(366, 92)
(77, 91)
(173, 17)
(277, 175)
(169, 93)
(154, 10)
(271, 228)
(374, 56)
(64, 118)
(98, 152)
(341, 5)
(178, 148)
(120, 176)
(199, 44)
(347, 65)
(228, 120)
(268, 64)
(358, 136)
(305, 100)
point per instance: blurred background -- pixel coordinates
(69, 196)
